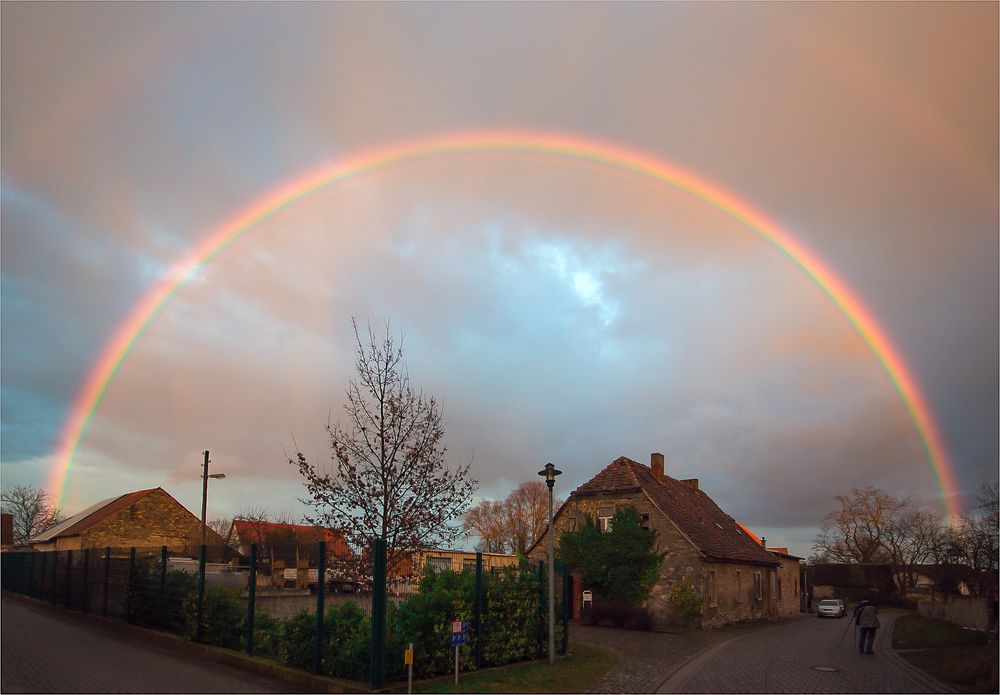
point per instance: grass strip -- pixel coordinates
(962, 658)
(584, 665)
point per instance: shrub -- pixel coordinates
(223, 616)
(266, 635)
(347, 637)
(687, 604)
(297, 642)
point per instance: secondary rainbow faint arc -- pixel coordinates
(555, 144)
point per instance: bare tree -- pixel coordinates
(911, 538)
(33, 510)
(973, 541)
(390, 479)
(857, 531)
(512, 524)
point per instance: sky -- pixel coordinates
(560, 310)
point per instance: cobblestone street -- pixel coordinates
(810, 656)
(756, 658)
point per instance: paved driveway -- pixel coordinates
(808, 656)
(40, 653)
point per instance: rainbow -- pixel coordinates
(553, 144)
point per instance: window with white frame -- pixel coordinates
(774, 584)
(739, 587)
(758, 586)
(604, 518)
(712, 598)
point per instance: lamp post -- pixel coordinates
(204, 493)
(549, 473)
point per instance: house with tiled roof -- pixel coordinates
(736, 578)
(145, 518)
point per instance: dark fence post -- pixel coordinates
(31, 575)
(107, 575)
(128, 587)
(163, 588)
(477, 616)
(320, 586)
(251, 597)
(55, 575)
(199, 628)
(542, 626)
(378, 614)
(86, 582)
(69, 577)
(567, 602)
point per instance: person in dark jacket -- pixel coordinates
(866, 618)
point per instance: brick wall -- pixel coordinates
(154, 520)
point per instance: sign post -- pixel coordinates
(408, 660)
(458, 635)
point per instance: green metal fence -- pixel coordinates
(307, 605)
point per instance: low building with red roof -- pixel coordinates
(735, 577)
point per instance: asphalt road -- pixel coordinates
(807, 656)
(41, 653)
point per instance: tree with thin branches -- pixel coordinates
(389, 480)
(33, 509)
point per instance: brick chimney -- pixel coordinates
(656, 465)
(691, 483)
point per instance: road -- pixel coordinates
(808, 656)
(41, 652)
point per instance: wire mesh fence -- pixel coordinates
(329, 606)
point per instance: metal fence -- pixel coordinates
(272, 602)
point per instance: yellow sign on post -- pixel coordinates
(408, 657)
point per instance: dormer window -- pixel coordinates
(644, 521)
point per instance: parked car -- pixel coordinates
(831, 608)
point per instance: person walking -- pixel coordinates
(866, 618)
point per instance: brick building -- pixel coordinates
(735, 576)
(146, 518)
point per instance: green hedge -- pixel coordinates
(513, 623)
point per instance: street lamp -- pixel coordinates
(204, 493)
(549, 473)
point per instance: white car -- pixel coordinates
(831, 608)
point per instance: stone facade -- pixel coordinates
(752, 585)
(153, 519)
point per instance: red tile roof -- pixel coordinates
(258, 532)
(712, 531)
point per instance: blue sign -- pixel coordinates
(458, 633)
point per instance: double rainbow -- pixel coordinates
(554, 144)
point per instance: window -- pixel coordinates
(774, 584)
(468, 562)
(571, 523)
(439, 564)
(644, 521)
(779, 588)
(604, 518)
(712, 598)
(739, 587)
(758, 587)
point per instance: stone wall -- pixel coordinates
(967, 611)
(736, 598)
(788, 601)
(155, 519)
(682, 561)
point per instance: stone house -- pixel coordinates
(144, 519)
(735, 577)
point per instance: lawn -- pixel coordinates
(959, 657)
(574, 674)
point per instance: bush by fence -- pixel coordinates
(505, 611)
